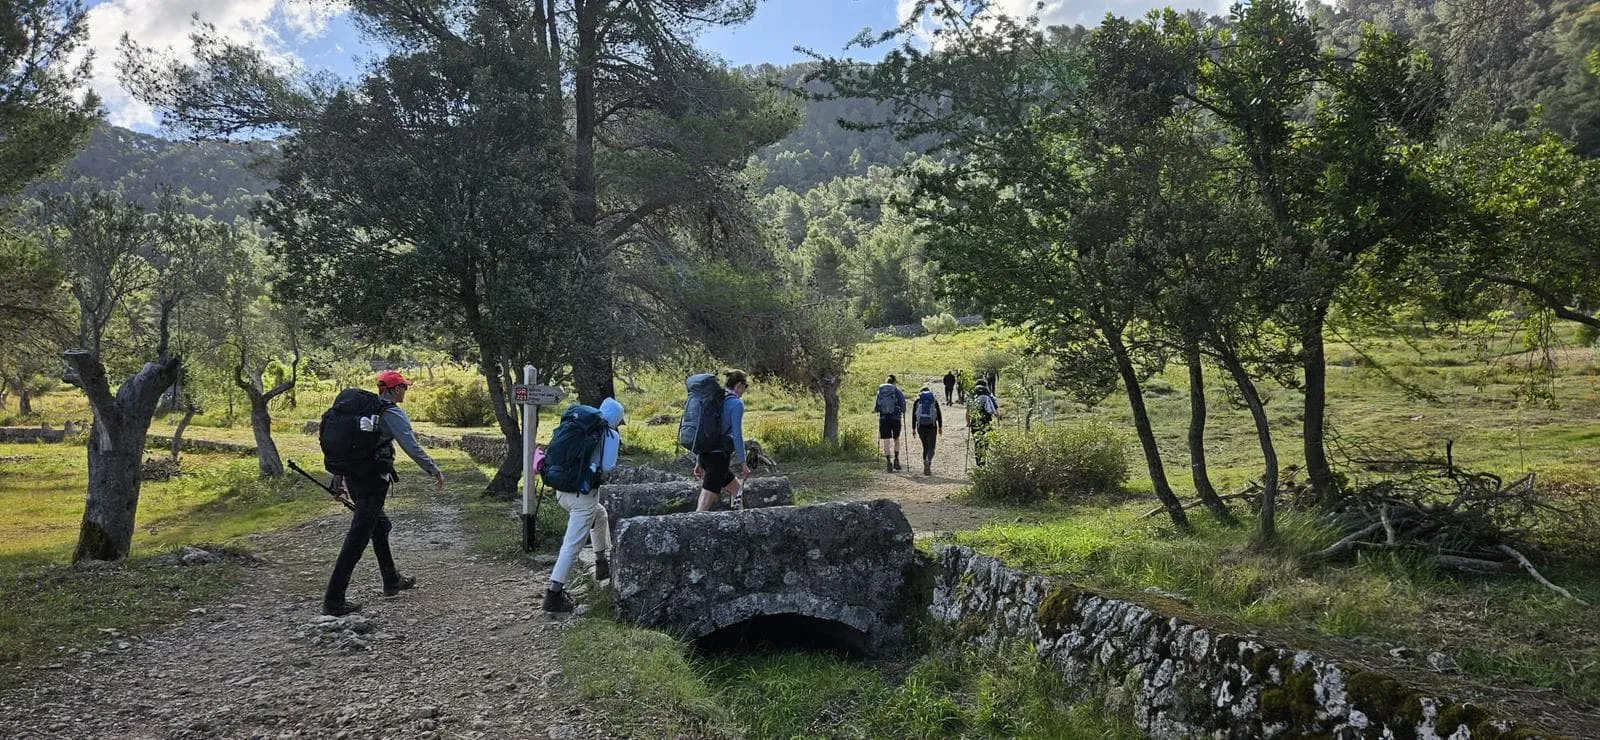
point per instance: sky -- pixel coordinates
(316, 34)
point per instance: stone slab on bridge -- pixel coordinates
(848, 570)
(681, 496)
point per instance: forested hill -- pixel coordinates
(215, 178)
(819, 149)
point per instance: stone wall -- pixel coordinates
(912, 330)
(848, 563)
(31, 434)
(1179, 679)
(680, 496)
(163, 442)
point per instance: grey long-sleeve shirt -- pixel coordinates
(396, 426)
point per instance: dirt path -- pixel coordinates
(467, 654)
(926, 500)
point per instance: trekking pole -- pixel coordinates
(341, 498)
(533, 516)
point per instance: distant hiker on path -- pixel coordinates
(929, 419)
(357, 436)
(993, 382)
(719, 437)
(949, 386)
(891, 407)
(981, 412)
(581, 452)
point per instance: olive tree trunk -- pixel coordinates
(1269, 452)
(508, 477)
(1315, 367)
(1199, 471)
(830, 408)
(1147, 435)
(115, 446)
(268, 460)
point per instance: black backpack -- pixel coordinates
(351, 434)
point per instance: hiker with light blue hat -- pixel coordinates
(581, 452)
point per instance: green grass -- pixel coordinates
(952, 692)
(1506, 626)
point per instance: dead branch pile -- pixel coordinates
(1459, 519)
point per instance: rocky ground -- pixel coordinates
(467, 654)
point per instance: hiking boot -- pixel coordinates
(888, 467)
(897, 463)
(557, 602)
(602, 568)
(405, 583)
(927, 467)
(340, 609)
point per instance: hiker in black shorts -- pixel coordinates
(891, 407)
(714, 468)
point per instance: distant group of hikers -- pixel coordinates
(358, 433)
(928, 419)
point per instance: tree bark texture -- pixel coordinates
(1314, 359)
(1147, 436)
(116, 444)
(508, 476)
(177, 433)
(1199, 471)
(830, 409)
(1269, 452)
(267, 459)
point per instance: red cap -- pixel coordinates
(392, 379)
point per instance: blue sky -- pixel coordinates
(315, 33)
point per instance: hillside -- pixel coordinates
(218, 178)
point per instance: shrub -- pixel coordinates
(1060, 462)
(789, 441)
(459, 405)
(939, 325)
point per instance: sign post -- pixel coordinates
(530, 395)
(530, 435)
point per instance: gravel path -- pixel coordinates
(467, 654)
(926, 500)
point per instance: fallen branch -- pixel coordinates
(1471, 565)
(1537, 576)
(1347, 544)
(1197, 502)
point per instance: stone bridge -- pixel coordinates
(840, 574)
(625, 501)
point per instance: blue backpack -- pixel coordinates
(701, 428)
(927, 410)
(566, 458)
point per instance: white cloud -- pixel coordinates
(165, 25)
(1077, 12)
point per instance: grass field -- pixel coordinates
(1397, 393)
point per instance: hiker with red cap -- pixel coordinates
(358, 435)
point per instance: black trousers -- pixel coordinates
(369, 524)
(949, 390)
(929, 434)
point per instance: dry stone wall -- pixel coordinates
(1181, 680)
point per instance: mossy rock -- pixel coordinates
(1056, 611)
